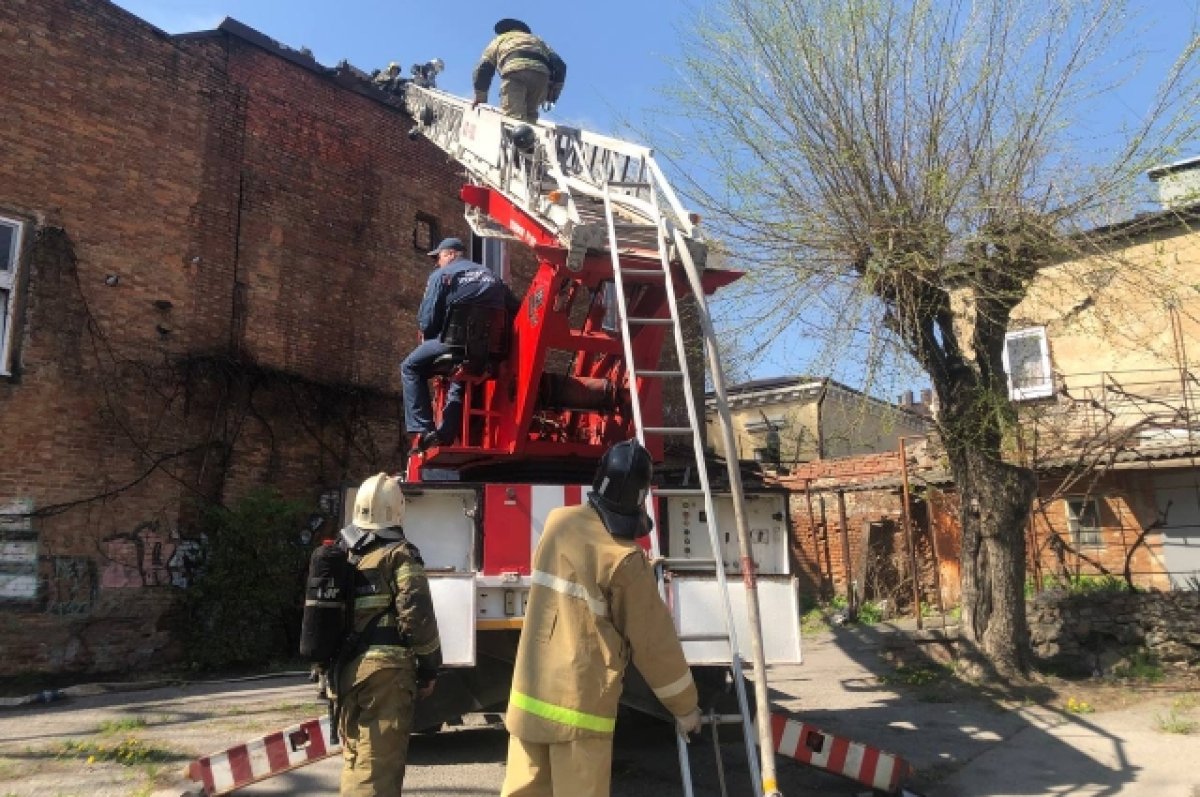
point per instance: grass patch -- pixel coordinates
(128, 752)
(1174, 720)
(111, 727)
(1141, 666)
(912, 676)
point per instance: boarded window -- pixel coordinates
(426, 233)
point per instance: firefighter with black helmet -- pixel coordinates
(531, 73)
(593, 606)
(393, 652)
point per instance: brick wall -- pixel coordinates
(879, 563)
(219, 283)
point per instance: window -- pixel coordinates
(426, 233)
(1027, 363)
(10, 250)
(491, 252)
(1083, 521)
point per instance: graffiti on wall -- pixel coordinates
(146, 557)
(70, 584)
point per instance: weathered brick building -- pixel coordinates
(216, 252)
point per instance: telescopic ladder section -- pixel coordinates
(593, 192)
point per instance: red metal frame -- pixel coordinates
(559, 329)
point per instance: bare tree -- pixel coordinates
(895, 173)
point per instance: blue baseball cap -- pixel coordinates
(448, 243)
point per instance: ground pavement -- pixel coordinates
(1080, 739)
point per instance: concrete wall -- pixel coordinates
(220, 279)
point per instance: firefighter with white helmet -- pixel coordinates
(531, 73)
(394, 649)
(593, 606)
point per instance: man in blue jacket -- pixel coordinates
(455, 281)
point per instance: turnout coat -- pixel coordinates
(594, 606)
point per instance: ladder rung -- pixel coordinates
(704, 637)
(659, 373)
(721, 719)
(652, 322)
(679, 492)
(679, 563)
(623, 184)
(667, 429)
(641, 272)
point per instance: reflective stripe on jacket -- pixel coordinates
(594, 604)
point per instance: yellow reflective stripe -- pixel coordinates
(373, 602)
(324, 604)
(561, 585)
(377, 651)
(675, 687)
(561, 715)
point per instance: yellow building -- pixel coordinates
(1100, 361)
(787, 420)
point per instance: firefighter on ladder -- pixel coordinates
(594, 604)
(531, 73)
(398, 653)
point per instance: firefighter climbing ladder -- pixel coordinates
(593, 191)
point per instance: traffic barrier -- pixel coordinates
(812, 746)
(258, 759)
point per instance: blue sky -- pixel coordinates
(619, 53)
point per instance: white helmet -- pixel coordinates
(379, 503)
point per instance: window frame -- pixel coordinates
(1044, 388)
(1074, 507)
(9, 280)
(486, 251)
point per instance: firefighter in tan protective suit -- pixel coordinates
(593, 606)
(531, 74)
(395, 653)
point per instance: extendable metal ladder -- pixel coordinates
(670, 240)
(594, 192)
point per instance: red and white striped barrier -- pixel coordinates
(258, 759)
(855, 760)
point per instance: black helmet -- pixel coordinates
(507, 25)
(524, 138)
(619, 490)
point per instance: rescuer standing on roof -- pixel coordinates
(594, 603)
(531, 74)
(455, 281)
(395, 649)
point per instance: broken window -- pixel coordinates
(1027, 363)
(1083, 521)
(10, 249)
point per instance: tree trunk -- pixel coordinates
(996, 499)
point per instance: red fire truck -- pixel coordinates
(581, 366)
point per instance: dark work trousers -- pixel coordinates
(418, 409)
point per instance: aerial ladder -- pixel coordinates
(587, 202)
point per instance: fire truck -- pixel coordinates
(622, 279)
(605, 336)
